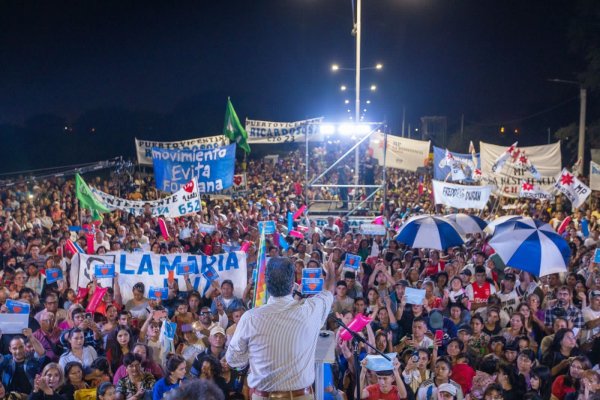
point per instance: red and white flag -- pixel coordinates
(576, 191)
(533, 191)
(502, 158)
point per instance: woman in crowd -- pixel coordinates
(516, 328)
(139, 304)
(540, 382)
(211, 371)
(175, 371)
(119, 343)
(148, 365)
(106, 391)
(137, 382)
(563, 347)
(525, 362)
(513, 385)
(568, 382)
(535, 327)
(77, 351)
(47, 385)
(73, 380)
(492, 324)
(478, 342)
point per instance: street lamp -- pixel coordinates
(343, 88)
(582, 111)
(373, 88)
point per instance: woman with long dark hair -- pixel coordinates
(73, 380)
(513, 385)
(540, 382)
(175, 370)
(119, 343)
(567, 383)
(563, 347)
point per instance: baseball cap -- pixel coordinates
(447, 387)
(436, 320)
(466, 328)
(216, 330)
(510, 277)
(595, 293)
(402, 282)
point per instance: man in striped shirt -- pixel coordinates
(279, 339)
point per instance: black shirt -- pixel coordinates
(19, 382)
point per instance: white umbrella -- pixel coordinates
(531, 245)
(430, 232)
(468, 223)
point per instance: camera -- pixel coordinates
(415, 356)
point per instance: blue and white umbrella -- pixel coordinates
(491, 226)
(430, 232)
(531, 245)
(468, 223)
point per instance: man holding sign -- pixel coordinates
(279, 339)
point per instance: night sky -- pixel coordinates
(164, 69)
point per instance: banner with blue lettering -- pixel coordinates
(212, 167)
(442, 168)
(153, 269)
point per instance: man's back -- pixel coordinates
(279, 341)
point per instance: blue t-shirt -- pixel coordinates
(161, 387)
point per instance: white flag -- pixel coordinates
(573, 188)
(502, 158)
(594, 176)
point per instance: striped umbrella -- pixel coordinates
(430, 232)
(491, 226)
(531, 245)
(468, 223)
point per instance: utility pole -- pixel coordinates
(357, 31)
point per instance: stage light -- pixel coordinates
(363, 129)
(346, 101)
(346, 129)
(343, 88)
(379, 66)
(327, 129)
(335, 67)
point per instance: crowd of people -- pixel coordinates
(483, 331)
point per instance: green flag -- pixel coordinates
(233, 129)
(87, 199)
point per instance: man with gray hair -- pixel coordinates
(279, 339)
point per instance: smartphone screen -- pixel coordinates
(439, 334)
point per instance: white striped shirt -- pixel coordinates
(279, 341)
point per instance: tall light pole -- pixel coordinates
(582, 111)
(357, 32)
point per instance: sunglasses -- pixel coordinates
(204, 312)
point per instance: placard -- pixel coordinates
(312, 285)
(53, 275)
(187, 267)
(414, 296)
(373, 229)
(268, 226)
(102, 271)
(158, 293)
(353, 261)
(312, 273)
(210, 274)
(17, 307)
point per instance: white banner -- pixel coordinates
(373, 229)
(153, 269)
(143, 148)
(185, 201)
(461, 196)
(283, 132)
(402, 153)
(575, 190)
(594, 176)
(545, 158)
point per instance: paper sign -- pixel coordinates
(373, 229)
(597, 256)
(414, 296)
(312, 273)
(205, 228)
(352, 261)
(53, 275)
(227, 248)
(377, 363)
(268, 226)
(17, 307)
(13, 323)
(104, 271)
(312, 286)
(210, 273)
(187, 267)
(158, 293)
